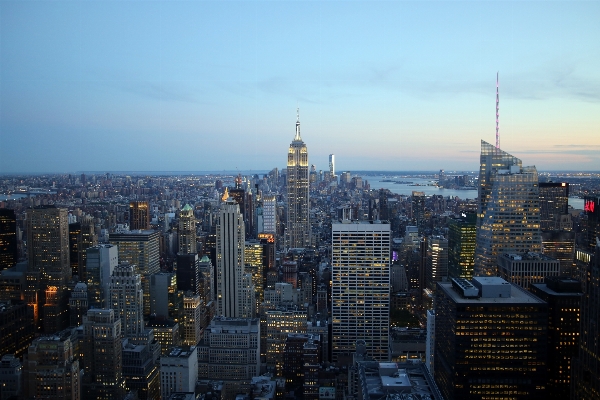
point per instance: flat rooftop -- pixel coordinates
(517, 295)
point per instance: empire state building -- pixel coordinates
(298, 224)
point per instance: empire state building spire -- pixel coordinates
(297, 138)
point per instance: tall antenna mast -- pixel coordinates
(497, 114)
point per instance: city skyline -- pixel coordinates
(395, 86)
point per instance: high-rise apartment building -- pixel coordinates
(126, 299)
(461, 245)
(49, 266)
(235, 298)
(508, 211)
(8, 239)
(298, 213)
(141, 249)
(139, 215)
(187, 231)
(360, 287)
(101, 262)
(193, 319)
(490, 340)
(102, 355)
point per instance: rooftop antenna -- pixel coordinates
(497, 114)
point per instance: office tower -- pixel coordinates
(461, 245)
(253, 265)
(301, 360)
(591, 231)
(586, 366)
(280, 322)
(87, 238)
(11, 377)
(269, 214)
(16, 327)
(430, 341)
(8, 239)
(163, 294)
(563, 296)
(233, 294)
(49, 266)
(508, 211)
(188, 273)
(360, 287)
(102, 355)
(126, 299)
(525, 269)
(178, 371)
(418, 209)
(193, 319)
(490, 340)
(141, 249)
(139, 215)
(101, 262)
(298, 222)
(187, 231)
(74, 242)
(78, 303)
(332, 166)
(51, 368)
(554, 202)
(141, 366)
(290, 273)
(560, 245)
(230, 349)
(436, 264)
(166, 332)
(207, 279)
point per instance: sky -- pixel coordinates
(214, 85)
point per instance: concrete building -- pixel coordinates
(178, 371)
(230, 349)
(11, 377)
(126, 299)
(360, 287)
(528, 268)
(186, 231)
(100, 264)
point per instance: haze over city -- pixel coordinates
(208, 86)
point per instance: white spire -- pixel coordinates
(297, 137)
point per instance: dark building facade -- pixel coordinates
(554, 202)
(563, 296)
(8, 238)
(139, 215)
(461, 245)
(490, 340)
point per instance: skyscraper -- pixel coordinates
(102, 355)
(126, 299)
(101, 262)
(554, 202)
(332, 166)
(49, 265)
(269, 214)
(490, 340)
(508, 212)
(418, 209)
(187, 231)
(232, 283)
(8, 238)
(360, 287)
(436, 263)
(298, 224)
(461, 246)
(139, 215)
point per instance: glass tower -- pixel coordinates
(508, 212)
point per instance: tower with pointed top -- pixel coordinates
(298, 224)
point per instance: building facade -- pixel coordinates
(298, 213)
(360, 287)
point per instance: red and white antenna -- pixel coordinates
(497, 114)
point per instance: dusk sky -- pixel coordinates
(214, 85)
